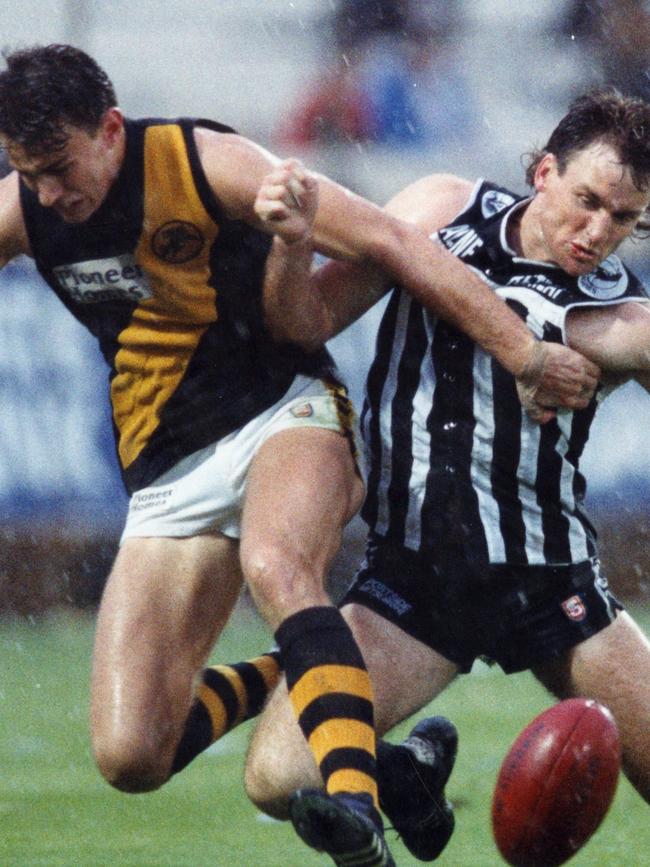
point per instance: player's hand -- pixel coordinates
(287, 201)
(556, 376)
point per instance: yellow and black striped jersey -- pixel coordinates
(172, 289)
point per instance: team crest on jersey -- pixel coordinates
(574, 608)
(494, 201)
(305, 410)
(607, 281)
(177, 242)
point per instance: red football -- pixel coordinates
(556, 784)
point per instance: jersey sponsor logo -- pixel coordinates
(177, 242)
(607, 281)
(539, 282)
(574, 608)
(118, 278)
(142, 501)
(494, 201)
(462, 241)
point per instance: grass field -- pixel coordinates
(55, 809)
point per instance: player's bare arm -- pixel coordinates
(235, 168)
(617, 338)
(398, 239)
(13, 237)
(293, 310)
(241, 174)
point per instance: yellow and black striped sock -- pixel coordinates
(227, 695)
(331, 694)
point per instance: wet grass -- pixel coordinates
(55, 809)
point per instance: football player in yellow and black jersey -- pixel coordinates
(236, 447)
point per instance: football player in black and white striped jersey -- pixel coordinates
(479, 545)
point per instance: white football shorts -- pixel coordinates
(205, 490)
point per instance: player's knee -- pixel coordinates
(279, 579)
(262, 789)
(129, 766)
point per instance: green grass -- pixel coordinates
(55, 809)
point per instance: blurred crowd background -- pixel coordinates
(375, 93)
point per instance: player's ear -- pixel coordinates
(546, 166)
(111, 125)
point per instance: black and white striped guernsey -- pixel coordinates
(453, 459)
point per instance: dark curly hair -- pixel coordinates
(46, 88)
(602, 114)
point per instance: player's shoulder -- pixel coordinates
(432, 186)
(234, 167)
(9, 190)
(13, 236)
(226, 151)
(211, 144)
(442, 183)
(490, 199)
(431, 201)
(215, 140)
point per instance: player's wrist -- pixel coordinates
(297, 241)
(532, 368)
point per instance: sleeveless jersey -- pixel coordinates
(172, 289)
(453, 459)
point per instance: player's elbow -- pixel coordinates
(309, 332)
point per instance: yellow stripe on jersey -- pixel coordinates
(329, 678)
(164, 332)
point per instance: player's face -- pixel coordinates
(75, 179)
(584, 212)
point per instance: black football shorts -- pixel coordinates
(517, 616)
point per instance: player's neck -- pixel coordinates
(526, 236)
(513, 231)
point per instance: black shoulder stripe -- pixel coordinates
(208, 198)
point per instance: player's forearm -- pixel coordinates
(345, 291)
(371, 238)
(615, 337)
(293, 311)
(449, 289)
(548, 375)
